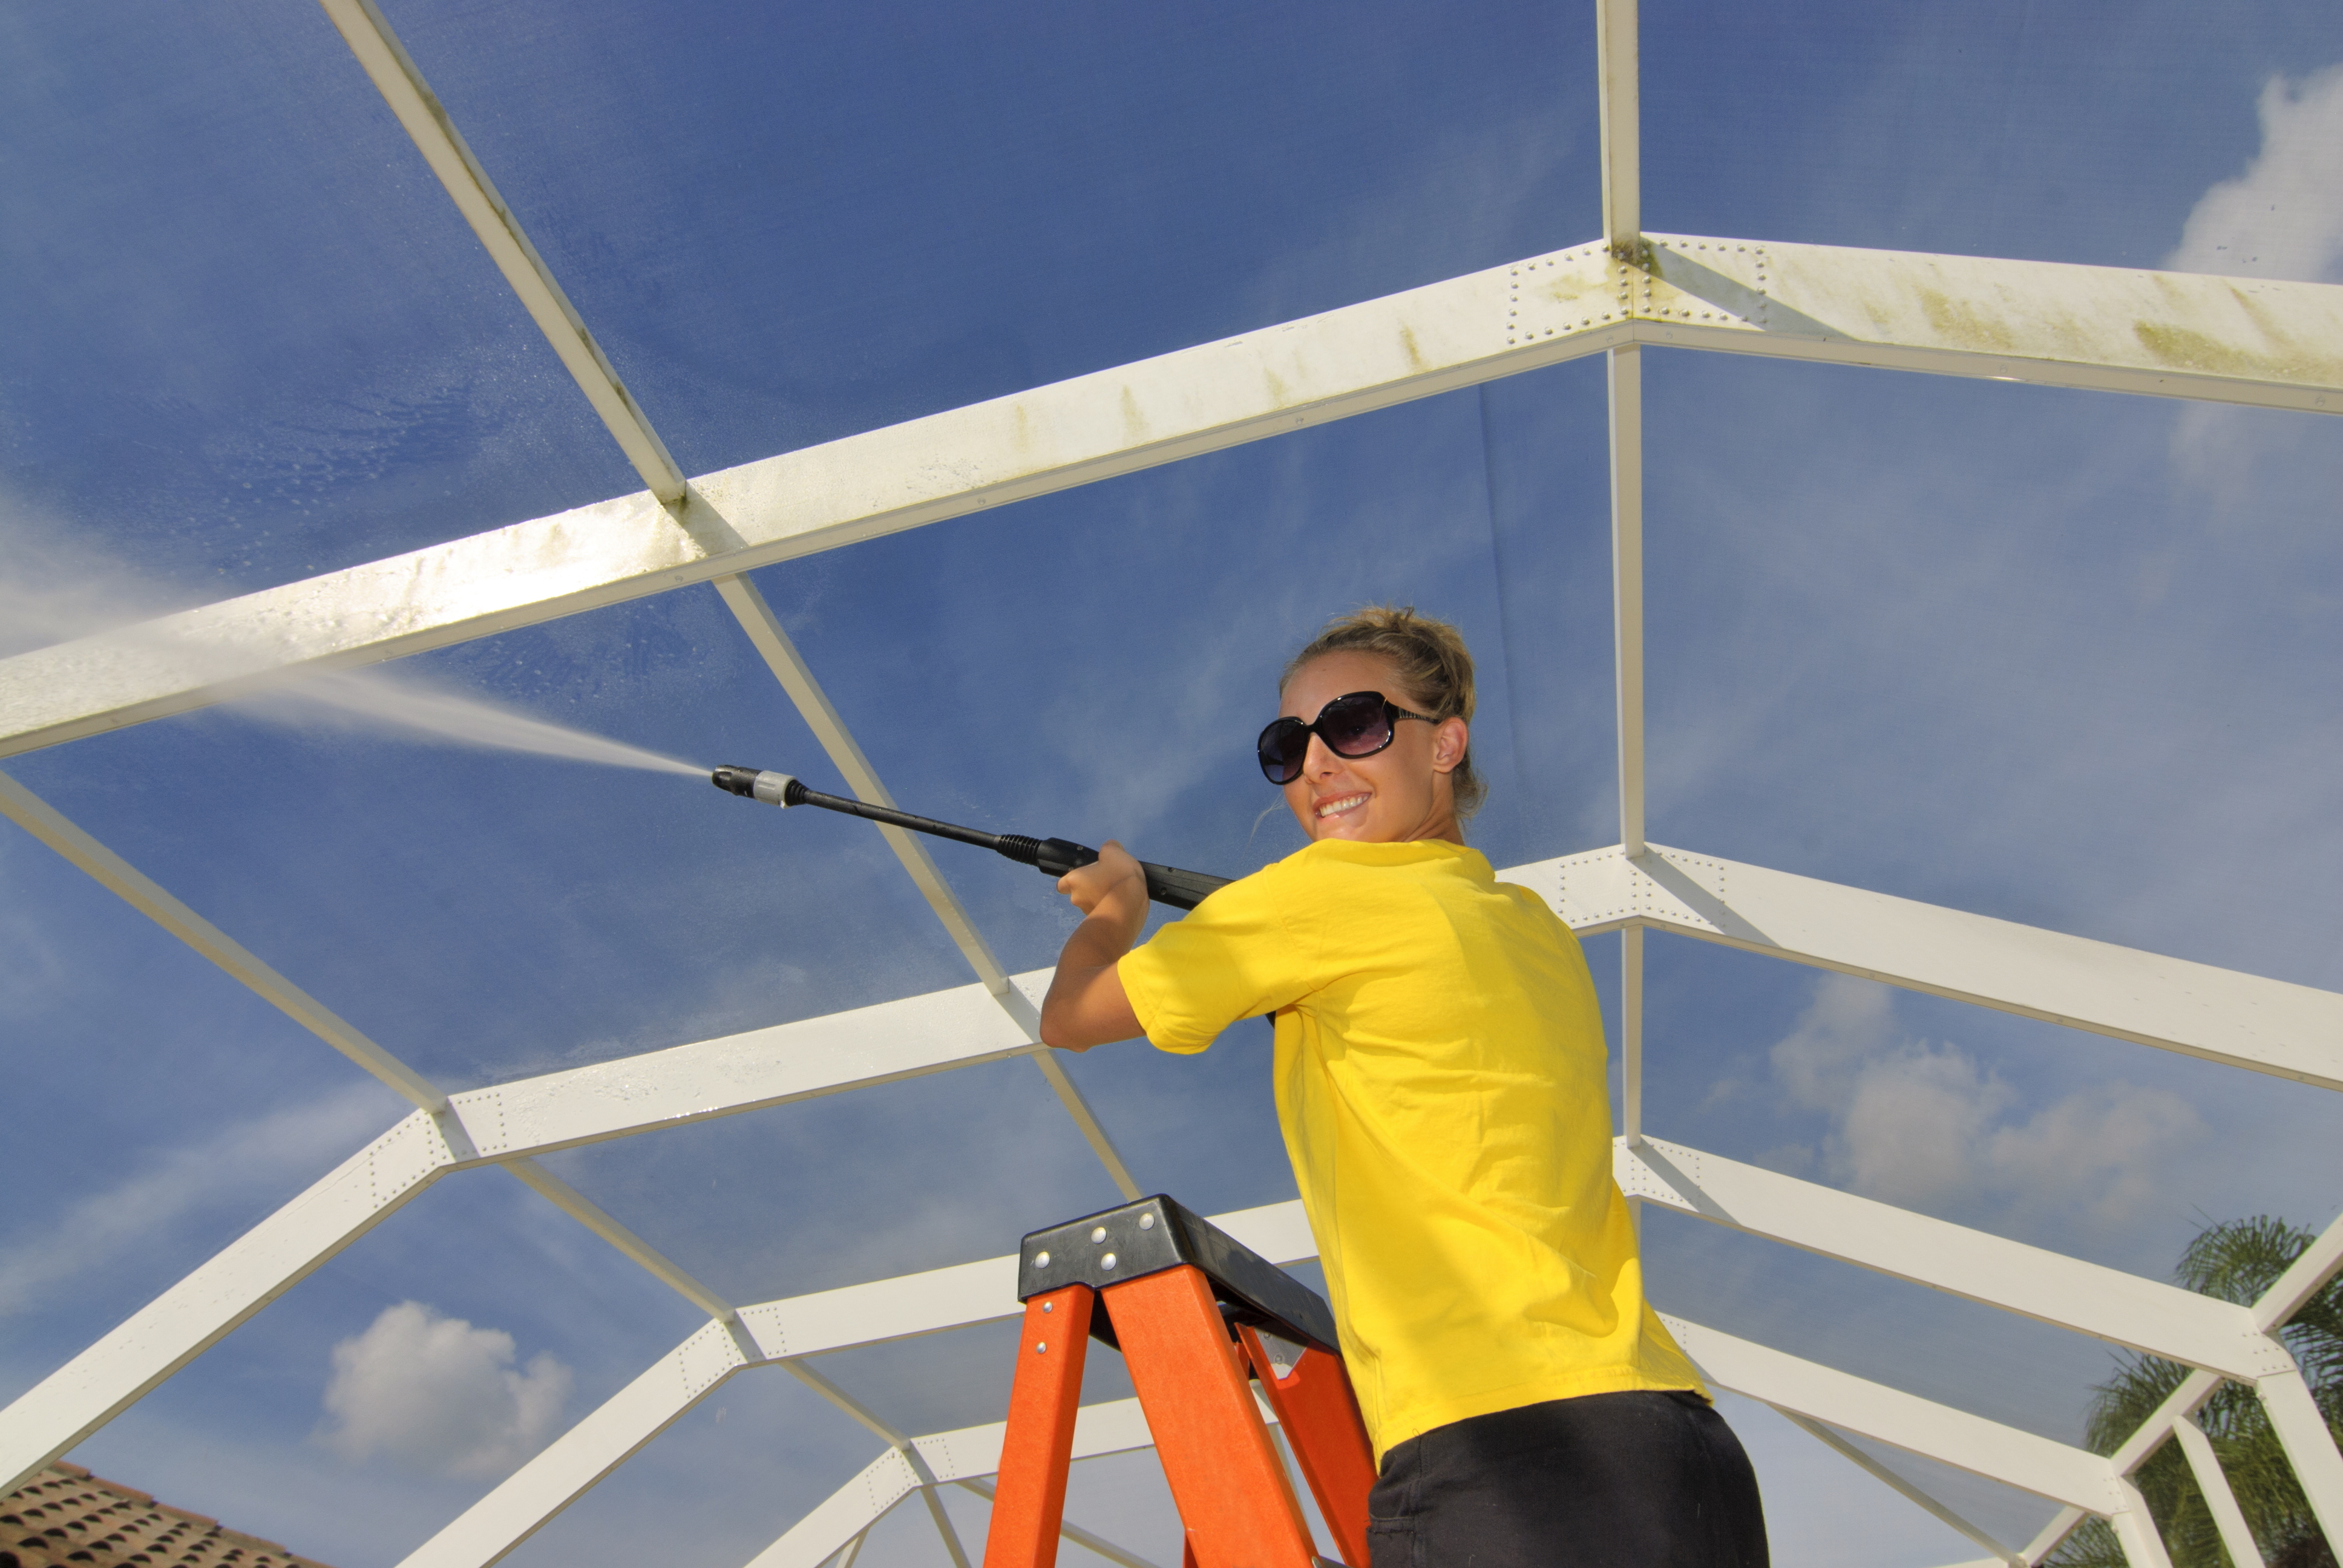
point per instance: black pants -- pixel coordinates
(1608, 1480)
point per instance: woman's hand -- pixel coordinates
(1113, 875)
(1087, 1005)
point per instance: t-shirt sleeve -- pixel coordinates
(1233, 956)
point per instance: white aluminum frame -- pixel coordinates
(2242, 341)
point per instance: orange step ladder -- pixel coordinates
(1187, 1305)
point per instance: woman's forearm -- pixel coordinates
(1087, 1005)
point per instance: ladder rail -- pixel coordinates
(1186, 1304)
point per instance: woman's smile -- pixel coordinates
(1388, 796)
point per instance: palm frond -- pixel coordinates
(2235, 1261)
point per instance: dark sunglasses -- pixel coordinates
(1359, 725)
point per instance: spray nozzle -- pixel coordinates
(753, 784)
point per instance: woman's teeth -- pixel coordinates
(1345, 803)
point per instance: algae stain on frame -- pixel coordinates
(2186, 351)
(1961, 325)
(1412, 349)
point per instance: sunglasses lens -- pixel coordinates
(1283, 746)
(1355, 726)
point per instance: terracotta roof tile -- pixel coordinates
(66, 1515)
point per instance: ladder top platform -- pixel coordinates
(1154, 1234)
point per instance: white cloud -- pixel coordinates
(2283, 218)
(1915, 1124)
(233, 1164)
(1926, 1126)
(1845, 1022)
(434, 1394)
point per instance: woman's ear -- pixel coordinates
(1449, 739)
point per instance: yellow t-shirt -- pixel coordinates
(1441, 1084)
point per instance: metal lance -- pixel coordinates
(1053, 858)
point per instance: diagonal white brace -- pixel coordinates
(395, 75)
(401, 81)
(118, 876)
(2302, 1432)
(1899, 1485)
(1075, 1532)
(782, 1332)
(887, 1043)
(2135, 1528)
(2237, 1535)
(968, 1455)
(789, 666)
(912, 1456)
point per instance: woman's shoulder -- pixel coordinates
(1358, 875)
(1341, 855)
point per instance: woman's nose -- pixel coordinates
(1319, 760)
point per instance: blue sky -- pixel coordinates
(2060, 657)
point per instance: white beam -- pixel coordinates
(2304, 1278)
(1897, 1483)
(1970, 1442)
(882, 1044)
(1631, 1035)
(2287, 1031)
(525, 1501)
(923, 1473)
(2203, 1010)
(1618, 98)
(2237, 1536)
(2275, 1307)
(985, 1292)
(246, 1275)
(813, 705)
(395, 75)
(2273, 1310)
(2115, 329)
(143, 894)
(2062, 1524)
(1075, 1532)
(2279, 345)
(789, 666)
(401, 81)
(1624, 368)
(968, 1455)
(2145, 1315)
(2302, 1432)
(930, 1034)
(134, 888)
(779, 1331)
(2135, 1528)
(864, 1046)
(631, 1247)
(1094, 426)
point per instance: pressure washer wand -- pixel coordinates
(1052, 857)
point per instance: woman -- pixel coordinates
(1441, 1084)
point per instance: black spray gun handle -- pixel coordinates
(1056, 856)
(1052, 857)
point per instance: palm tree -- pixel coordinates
(2236, 1260)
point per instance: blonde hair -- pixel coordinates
(1435, 669)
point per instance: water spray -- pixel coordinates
(1051, 857)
